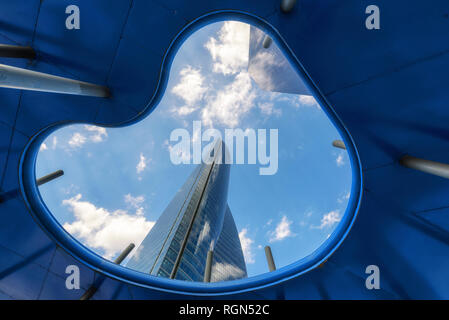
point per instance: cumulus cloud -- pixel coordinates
(92, 133)
(268, 109)
(142, 164)
(230, 50)
(282, 230)
(329, 219)
(135, 203)
(190, 89)
(54, 142)
(43, 147)
(339, 160)
(308, 101)
(344, 197)
(77, 140)
(97, 134)
(299, 101)
(108, 231)
(246, 243)
(230, 104)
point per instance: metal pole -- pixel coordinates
(270, 259)
(18, 78)
(339, 144)
(124, 254)
(287, 5)
(89, 293)
(208, 270)
(267, 42)
(427, 166)
(93, 288)
(49, 177)
(10, 51)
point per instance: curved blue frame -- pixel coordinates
(82, 254)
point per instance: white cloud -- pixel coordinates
(340, 161)
(98, 134)
(246, 243)
(230, 51)
(101, 229)
(308, 101)
(135, 203)
(77, 140)
(190, 89)
(344, 197)
(329, 219)
(230, 104)
(43, 147)
(71, 189)
(268, 109)
(54, 142)
(142, 164)
(282, 230)
(299, 100)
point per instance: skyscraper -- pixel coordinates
(198, 219)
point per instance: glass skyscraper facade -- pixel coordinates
(198, 219)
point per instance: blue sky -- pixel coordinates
(118, 181)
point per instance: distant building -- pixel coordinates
(197, 220)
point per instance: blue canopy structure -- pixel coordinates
(386, 90)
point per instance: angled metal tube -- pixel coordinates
(427, 166)
(267, 42)
(270, 260)
(287, 5)
(23, 79)
(124, 253)
(339, 144)
(49, 177)
(208, 269)
(10, 51)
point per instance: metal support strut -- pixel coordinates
(427, 166)
(270, 260)
(339, 144)
(10, 51)
(267, 42)
(23, 79)
(208, 269)
(49, 177)
(287, 5)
